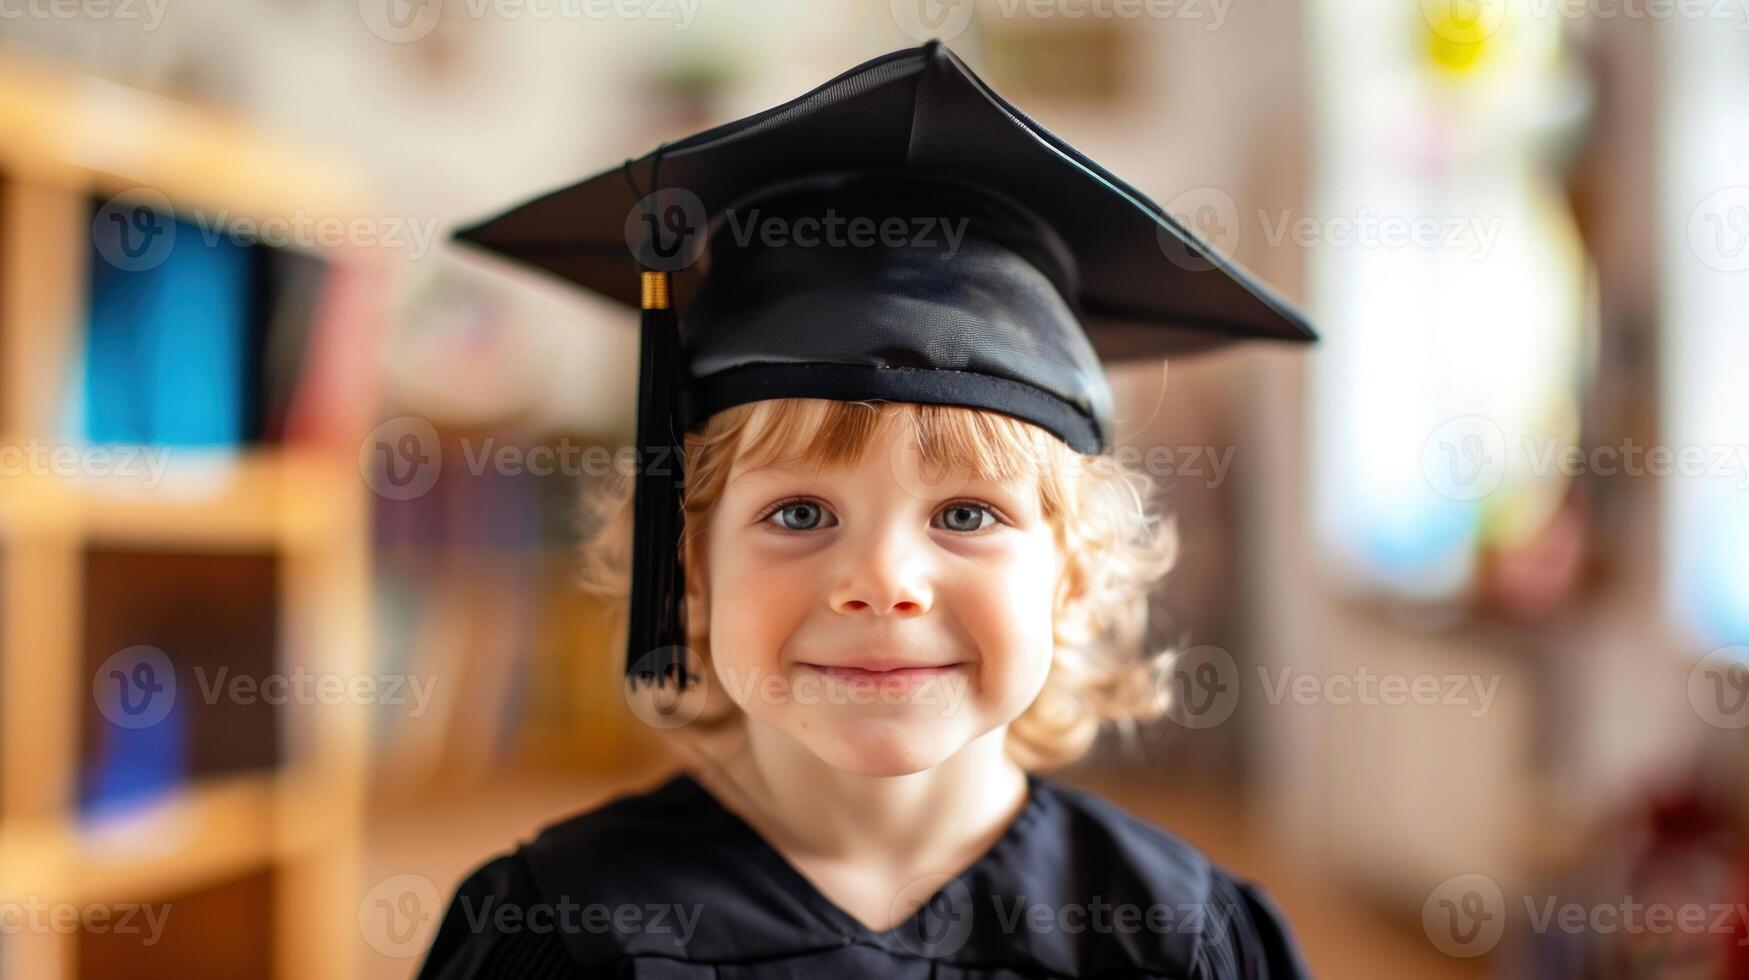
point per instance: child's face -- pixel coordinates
(815, 573)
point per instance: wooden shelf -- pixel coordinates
(207, 833)
(252, 499)
(76, 130)
(204, 835)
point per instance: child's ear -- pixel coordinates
(697, 599)
(698, 590)
(1070, 608)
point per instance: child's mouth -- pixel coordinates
(885, 677)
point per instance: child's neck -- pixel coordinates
(811, 810)
(866, 842)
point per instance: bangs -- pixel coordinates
(816, 432)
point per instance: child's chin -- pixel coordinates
(875, 749)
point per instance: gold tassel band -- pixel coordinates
(655, 283)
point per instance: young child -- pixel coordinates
(894, 572)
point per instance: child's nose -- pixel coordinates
(897, 607)
(888, 577)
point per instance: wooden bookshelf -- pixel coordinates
(259, 866)
(283, 498)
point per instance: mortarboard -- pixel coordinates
(900, 233)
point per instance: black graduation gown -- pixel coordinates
(672, 884)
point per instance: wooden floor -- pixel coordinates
(1342, 938)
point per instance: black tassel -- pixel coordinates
(656, 635)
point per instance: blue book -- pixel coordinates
(167, 345)
(135, 764)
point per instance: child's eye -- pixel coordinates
(966, 516)
(799, 515)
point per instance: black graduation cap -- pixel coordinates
(900, 233)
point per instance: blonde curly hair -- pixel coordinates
(1116, 548)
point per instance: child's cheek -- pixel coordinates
(1039, 639)
(752, 611)
(1019, 639)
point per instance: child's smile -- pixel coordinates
(904, 678)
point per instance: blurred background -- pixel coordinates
(289, 639)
